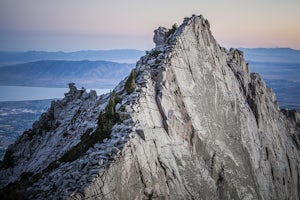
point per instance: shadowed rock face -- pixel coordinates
(197, 126)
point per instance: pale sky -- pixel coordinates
(71, 25)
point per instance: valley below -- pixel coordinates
(16, 117)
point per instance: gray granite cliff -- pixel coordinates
(189, 122)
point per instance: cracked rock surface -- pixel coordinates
(198, 125)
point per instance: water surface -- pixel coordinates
(21, 93)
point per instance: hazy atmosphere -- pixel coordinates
(101, 24)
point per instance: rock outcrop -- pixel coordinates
(190, 122)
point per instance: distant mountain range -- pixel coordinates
(58, 73)
(118, 55)
(272, 55)
(280, 68)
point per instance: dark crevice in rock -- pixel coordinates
(156, 76)
(161, 111)
(165, 168)
(296, 140)
(239, 75)
(149, 194)
(190, 69)
(272, 173)
(141, 133)
(140, 174)
(253, 107)
(220, 182)
(212, 164)
(190, 194)
(187, 58)
(252, 102)
(184, 113)
(221, 176)
(289, 163)
(267, 153)
(192, 135)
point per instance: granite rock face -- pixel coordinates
(198, 125)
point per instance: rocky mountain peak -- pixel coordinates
(189, 122)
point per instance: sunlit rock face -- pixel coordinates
(193, 124)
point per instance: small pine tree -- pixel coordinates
(130, 83)
(172, 30)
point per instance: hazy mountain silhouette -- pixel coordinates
(57, 73)
(118, 55)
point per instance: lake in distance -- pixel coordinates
(22, 93)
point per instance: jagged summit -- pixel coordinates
(189, 122)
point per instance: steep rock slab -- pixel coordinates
(211, 130)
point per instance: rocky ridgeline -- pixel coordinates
(189, 122)
(40, 160)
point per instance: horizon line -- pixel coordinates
(128, 49)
